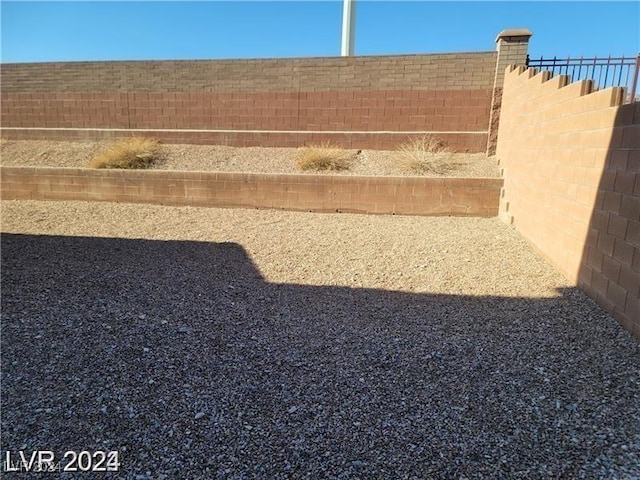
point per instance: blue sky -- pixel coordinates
(72, 31)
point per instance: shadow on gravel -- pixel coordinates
(182, 358)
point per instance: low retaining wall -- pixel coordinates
(317, 193)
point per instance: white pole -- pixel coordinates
(348, 28)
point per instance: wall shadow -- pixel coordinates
(114, 344)
(610, 266)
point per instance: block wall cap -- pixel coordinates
(514, 32)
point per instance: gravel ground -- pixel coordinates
(214, 343)
(228, 159)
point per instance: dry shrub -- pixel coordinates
(135, 152)
(323, 157)
(425, 155)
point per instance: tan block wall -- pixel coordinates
(571, 168)
(453, 71)
(512, 46)
(316, 193)
(448, 93)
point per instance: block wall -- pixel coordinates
(512, 46)
(571, 168)
(390, 97)
(317, 193)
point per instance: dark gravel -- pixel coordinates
(179, 355)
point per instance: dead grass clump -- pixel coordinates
(135, 152)
(426, 155)
(323, 157)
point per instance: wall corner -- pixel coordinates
(512, 46)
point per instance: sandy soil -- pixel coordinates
(229, 159)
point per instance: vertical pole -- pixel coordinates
(634, 84)
(348, 28)
(606, 72)
(580, 68)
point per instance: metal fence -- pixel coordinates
(605, 72)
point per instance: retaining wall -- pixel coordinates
(316, 193)
(571, 162)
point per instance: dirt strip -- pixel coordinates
(40, 153)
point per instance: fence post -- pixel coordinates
(634, 83)
(512, 46)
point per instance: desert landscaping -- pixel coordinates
(404, 266)
(238, 159)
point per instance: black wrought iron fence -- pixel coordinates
(605, 72)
